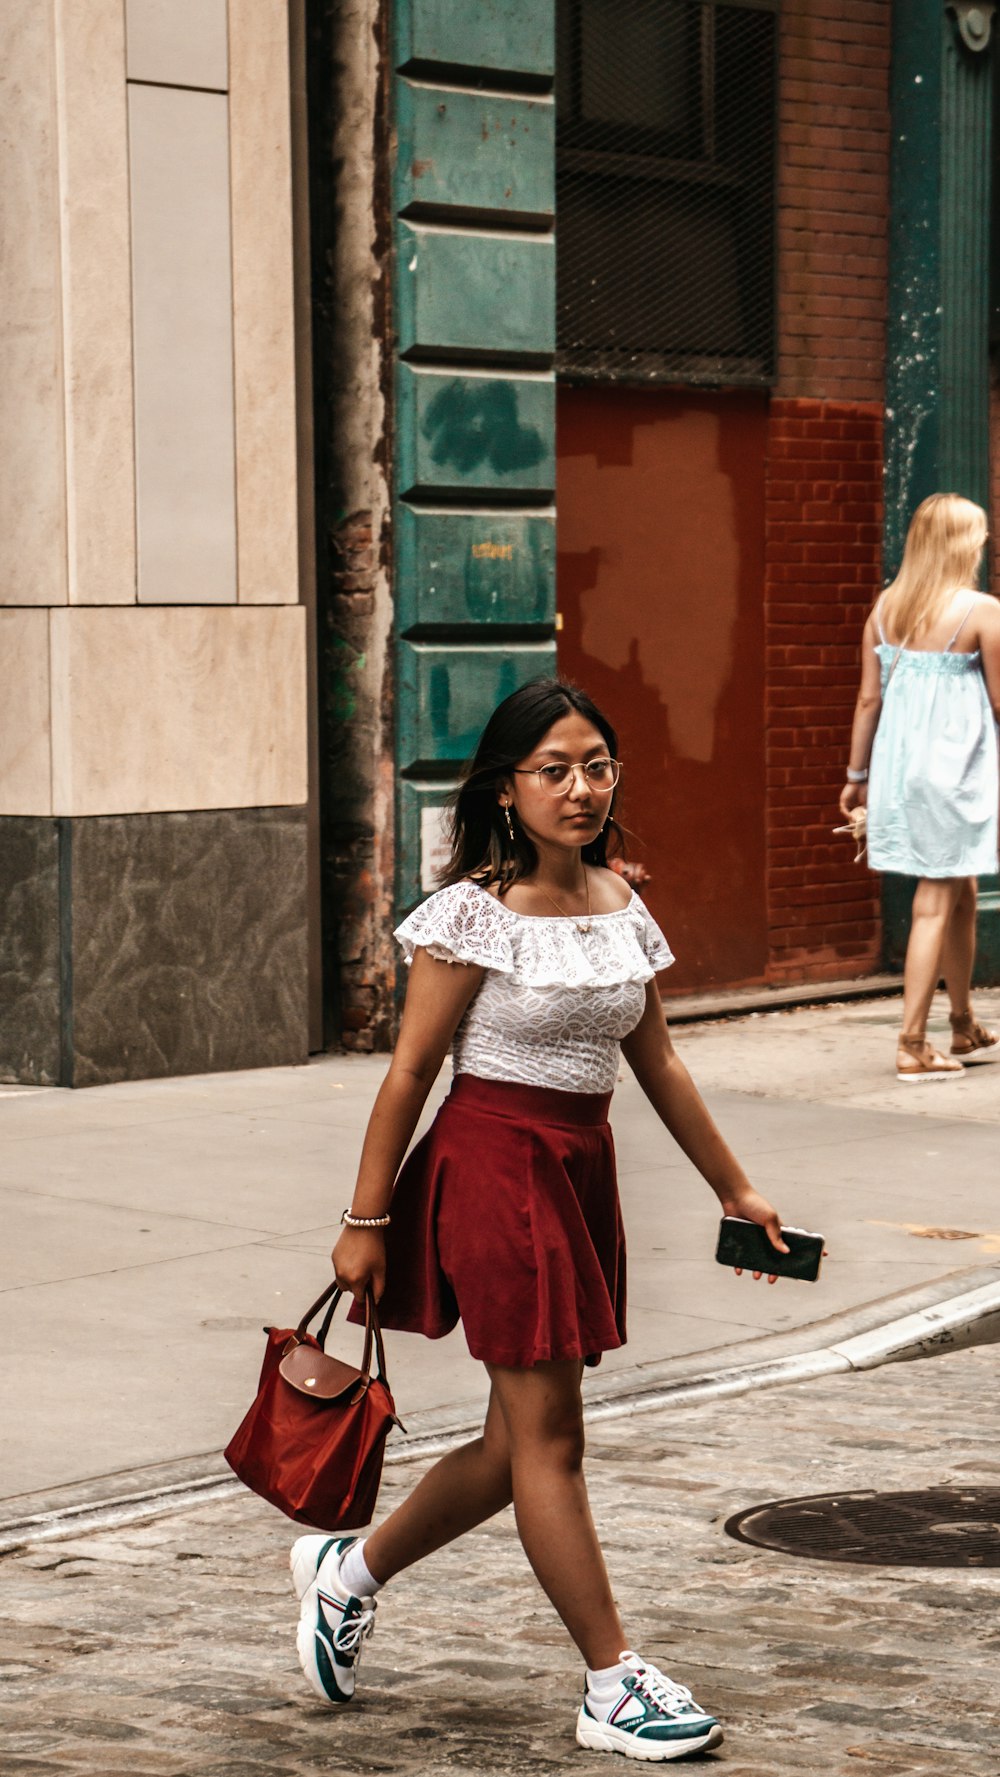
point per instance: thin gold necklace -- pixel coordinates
(581, 921)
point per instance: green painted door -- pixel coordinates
(938, 369)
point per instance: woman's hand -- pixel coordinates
(853, 796)
(359, 1260)
(635, 874)
(752, 1207)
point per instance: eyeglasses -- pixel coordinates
(557, 779)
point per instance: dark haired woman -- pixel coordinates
(506, 1214)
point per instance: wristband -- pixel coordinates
(351, 1221)
(857, 777)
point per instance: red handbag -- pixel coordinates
(314, 1439)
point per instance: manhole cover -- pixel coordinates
(939, 1527)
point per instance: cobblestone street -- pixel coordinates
(167, 1650)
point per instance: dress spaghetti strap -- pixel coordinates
(965, 618)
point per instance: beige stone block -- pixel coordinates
(159, 709)
(32, 477)
(182, 313)
(25, 752)
(263, 302)
(178, 42)
(97, 301)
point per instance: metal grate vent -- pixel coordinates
(665, 133)
(939, 1527)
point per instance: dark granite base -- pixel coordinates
(29, 950)
(183, 948)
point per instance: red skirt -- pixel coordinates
(506, 1216)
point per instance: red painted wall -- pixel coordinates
(696, 529)
(661, 569)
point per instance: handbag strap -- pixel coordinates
(373, 1334)
(373, 1331)
(327, 1319)
(331, 1294)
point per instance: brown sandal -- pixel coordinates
(916, 1059)
(967, 1034)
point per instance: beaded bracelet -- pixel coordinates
(364, 1221)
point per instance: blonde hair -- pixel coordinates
(944, 548)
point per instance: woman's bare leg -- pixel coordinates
(465, 1488)
(933, 905)
(543, 1414)
(959, 950)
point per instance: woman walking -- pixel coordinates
(507, 1214)
(926, 717)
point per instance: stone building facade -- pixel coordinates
(153, 682)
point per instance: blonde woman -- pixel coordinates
(926, 718)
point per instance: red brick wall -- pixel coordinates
(833, 197)
(824, 473)
(823, 545)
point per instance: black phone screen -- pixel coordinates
(746, 1244)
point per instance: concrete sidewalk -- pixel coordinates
(153, 1227)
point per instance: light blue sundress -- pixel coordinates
(933, 781)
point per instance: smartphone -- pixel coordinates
(746, 1244)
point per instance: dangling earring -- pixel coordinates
(510, 824)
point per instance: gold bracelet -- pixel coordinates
(352, 1221)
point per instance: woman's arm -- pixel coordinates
(679, 1105)
(988, 615)
(867, 711)
(437, 996)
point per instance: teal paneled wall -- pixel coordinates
(489, 37)
(474, 415)
(475, 297)
(474, 154)
(469, 568)
(448, 688)
(937, 368)
(478, 436)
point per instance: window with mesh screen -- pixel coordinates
(665, 190)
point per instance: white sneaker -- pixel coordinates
(648, 1717)
(333, 1623)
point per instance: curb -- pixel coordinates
(969, 1318)
(965, 1318)
(972, 1318)
(745, 1002)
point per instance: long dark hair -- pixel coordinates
(481, 845)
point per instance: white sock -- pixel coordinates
(354, 1573)
(604, 1681)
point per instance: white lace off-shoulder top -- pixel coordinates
(558, 996)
